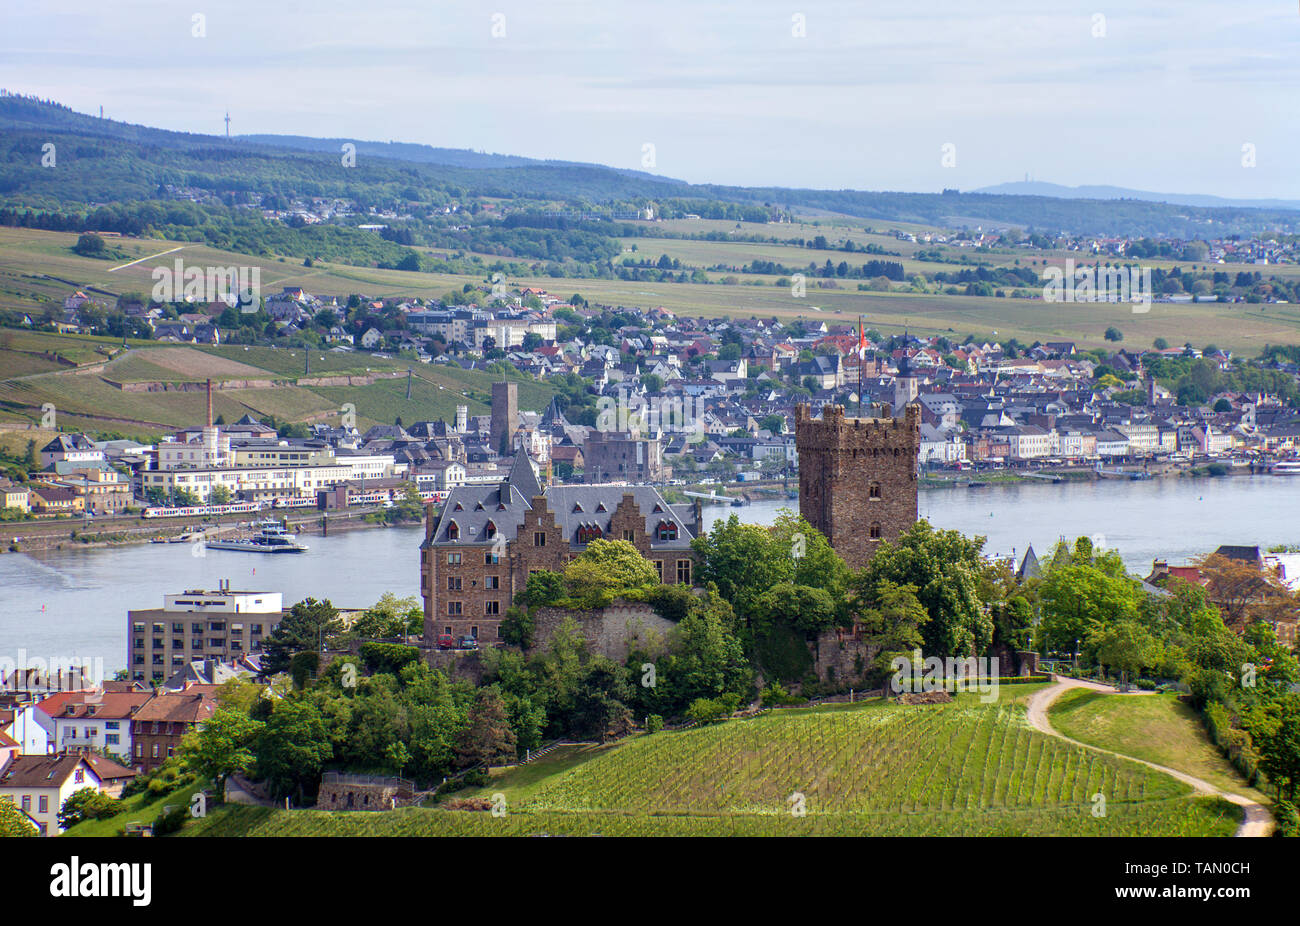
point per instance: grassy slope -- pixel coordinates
(872, 769)
(1157, 728)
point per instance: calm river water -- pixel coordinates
(72, 603)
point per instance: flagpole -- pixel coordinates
(862, 358)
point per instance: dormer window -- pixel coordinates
(577, 506)
(453, 531)
(667, 530)
(459, 507)
(601, 507)
(490, 530)
(589, 532)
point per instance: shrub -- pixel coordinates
(654, 723)
(171, 819)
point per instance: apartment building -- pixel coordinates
(197, 624)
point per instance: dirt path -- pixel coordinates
(1256, 822)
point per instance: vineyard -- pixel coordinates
(960, 769)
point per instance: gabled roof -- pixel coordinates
(41, 771)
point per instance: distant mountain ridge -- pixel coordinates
(105, 161)
(1057, 191)
(428, 154)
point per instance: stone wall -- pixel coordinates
(841, 658)
(610, 631)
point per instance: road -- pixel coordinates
(1256, 821)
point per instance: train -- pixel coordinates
(381, 497)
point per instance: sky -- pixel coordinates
(1178, 96)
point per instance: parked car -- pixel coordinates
(467, 642)
(445, 641)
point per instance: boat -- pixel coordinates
(976, 485)
(738, 502)
(270, 538)
(1285, 468)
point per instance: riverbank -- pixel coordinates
(105, 531)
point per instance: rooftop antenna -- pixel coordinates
(227, 121)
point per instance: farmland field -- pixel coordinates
(875, 769)
(37, 269)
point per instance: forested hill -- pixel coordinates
(103, 161)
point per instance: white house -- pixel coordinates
(39, 785)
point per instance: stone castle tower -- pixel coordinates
(505, 415)
(857, 477)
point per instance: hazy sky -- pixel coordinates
(1150, 94)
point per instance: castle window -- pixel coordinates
(667, 530)
(874, 532)
(539, 538)
(873, 491)
(453, 559)
(453, 608)
(683, 572)
(659, 568)
(589, 532)
(453, 531)
(491, 559)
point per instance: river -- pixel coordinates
(71, 604)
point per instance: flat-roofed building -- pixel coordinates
(197, 624)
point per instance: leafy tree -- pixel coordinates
(945, 568)
(488, 737)
(391, 617)
(293, 747)
(221, 747)
(598, 574)
(893, 621)
(1125, 645)
(1275, 728)
(88, 804)
(13, 822)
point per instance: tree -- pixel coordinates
(894, 620)
(1275, 729)
(307, 627)
(293, 747)
(88, 804)
(606, 568)
(221, 747)
(1126, 646)
(89, 245)
(390, 617)
(220, 495)
(945, 569)
(13, 822)
(488, 738)
(1114, 334)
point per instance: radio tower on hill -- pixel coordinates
(227, 123)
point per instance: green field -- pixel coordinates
(37, 268)
(1157, 728)
(873, 769)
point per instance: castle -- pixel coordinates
(483, 543)
(857, 477)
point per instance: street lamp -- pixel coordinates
(1076, 656)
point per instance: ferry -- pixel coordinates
(1285, 468)
(270, 538)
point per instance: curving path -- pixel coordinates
(1256, 822)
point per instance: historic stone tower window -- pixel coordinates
(874, 533)
(539, 538)
(874, 490)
